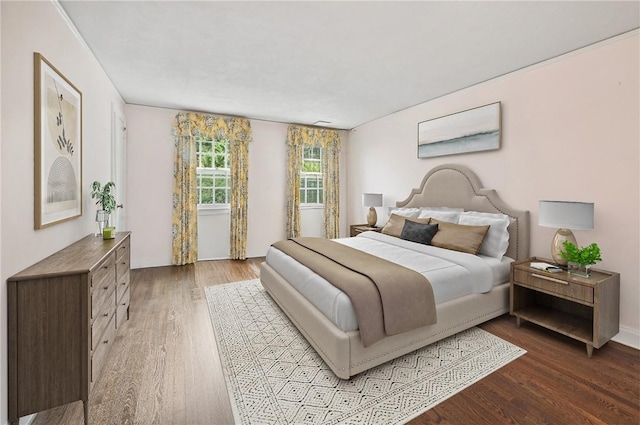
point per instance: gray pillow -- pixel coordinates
(418, 232)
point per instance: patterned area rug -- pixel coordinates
(275, 377)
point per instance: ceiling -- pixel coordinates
(345, 63)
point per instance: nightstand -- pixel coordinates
(585, 309)
(354, 229)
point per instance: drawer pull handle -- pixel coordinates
(539, 276)
(106, 341)
(106, 314)
(124, 303)
(105, 267)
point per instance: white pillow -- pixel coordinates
(405, 212)
(496, 241)
(448, 216)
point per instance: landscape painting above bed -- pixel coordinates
(473, 130)
(470, 285)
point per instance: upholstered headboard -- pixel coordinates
(453, 185)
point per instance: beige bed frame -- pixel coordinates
(446, 185)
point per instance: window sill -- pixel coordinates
(213, 210)
(311, 206)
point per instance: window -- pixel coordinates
(213, 177)
(311, 192)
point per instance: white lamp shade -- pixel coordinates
(566, 215)
(372, 199)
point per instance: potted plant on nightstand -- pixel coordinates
(106, 203)
(580, 260)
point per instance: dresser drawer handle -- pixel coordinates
(106, 341)
(550, 279)
(105, 288)
(105, 267)
(106, 314)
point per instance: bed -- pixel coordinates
(335, 337)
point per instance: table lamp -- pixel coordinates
(372, 200)
(564, 216)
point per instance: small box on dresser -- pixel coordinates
(63, 313)
(585, 309)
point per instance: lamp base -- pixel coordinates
(556, 245)
(372, 217)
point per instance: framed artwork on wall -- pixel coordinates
(57, 146)
(473, 130)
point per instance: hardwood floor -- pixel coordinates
(164, 367)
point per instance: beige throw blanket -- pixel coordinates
(388, 299)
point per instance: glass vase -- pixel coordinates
(582, 270)
(102, 218)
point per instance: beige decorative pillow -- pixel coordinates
(396, 223)
(458, 237)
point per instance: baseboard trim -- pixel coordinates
(628, 336)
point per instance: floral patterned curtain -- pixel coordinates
(184, 224)
(188, 126)
(239, 158)
(329, 140)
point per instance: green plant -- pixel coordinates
(105, 198)
(582, 256)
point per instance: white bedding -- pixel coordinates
(452, 274)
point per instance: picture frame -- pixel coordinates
(57, 146)
(473, 130)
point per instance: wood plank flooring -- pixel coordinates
(164, 367)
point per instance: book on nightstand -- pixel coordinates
(551, 268)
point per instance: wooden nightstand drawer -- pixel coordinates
(554, 285)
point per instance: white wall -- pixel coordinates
(150, 185)
(570, 131)
(29, 27)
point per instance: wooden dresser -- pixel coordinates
(64, 312)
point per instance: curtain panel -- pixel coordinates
(188, 126)
(297, 138)
(184, 222)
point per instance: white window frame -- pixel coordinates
(214, 172)
(311, 175)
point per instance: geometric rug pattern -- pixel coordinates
(275, 377)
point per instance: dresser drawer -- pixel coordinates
(123, 259)
(102, 348)
(554, 285)
(122, 269)
(122, 286)
(105, 271)
(122, 310)
(123, 250)
(102, 318)
(100, 294)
